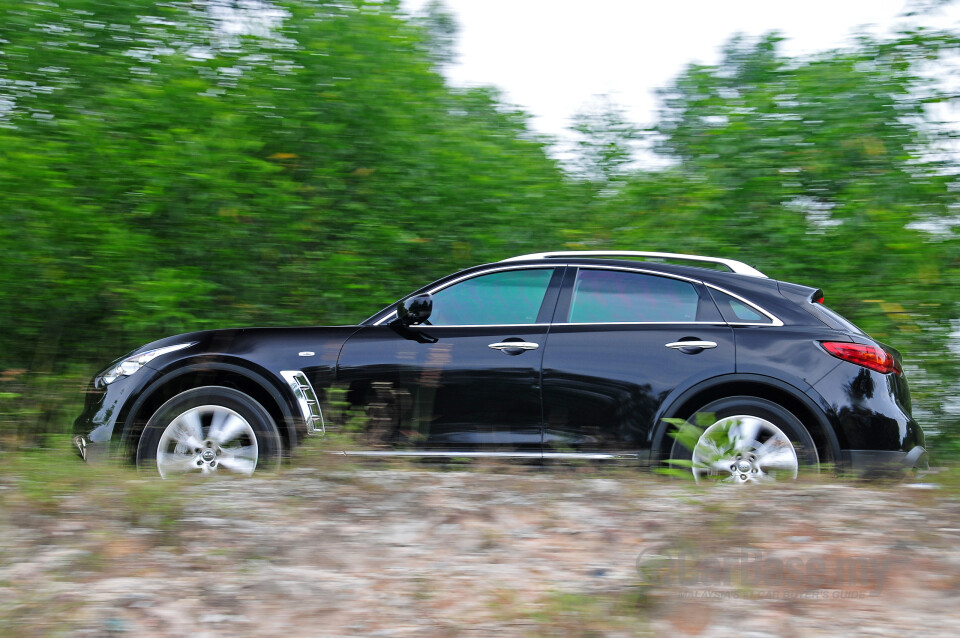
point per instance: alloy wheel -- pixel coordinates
(207, 439)
(744, 449)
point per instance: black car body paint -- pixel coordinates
(581, 388)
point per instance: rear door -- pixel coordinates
(615, 353)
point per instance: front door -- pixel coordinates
(458, 383)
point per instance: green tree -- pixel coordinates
(163, 172)
(606, 140)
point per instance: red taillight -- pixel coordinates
(867, 356)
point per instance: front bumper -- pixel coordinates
(883, 463)
(98, 428)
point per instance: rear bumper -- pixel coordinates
(876, 463)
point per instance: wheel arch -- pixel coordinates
(780, 392)
(258, 384)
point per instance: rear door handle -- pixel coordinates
(703, 345)
(514, 345)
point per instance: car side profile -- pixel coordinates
(562, 355)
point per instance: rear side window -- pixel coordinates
(736, 311)
(614, 296)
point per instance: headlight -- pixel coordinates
(131, 364)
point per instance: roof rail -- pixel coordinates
(735, 266)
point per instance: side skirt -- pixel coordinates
(505, 455)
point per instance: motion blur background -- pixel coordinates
(174, 166)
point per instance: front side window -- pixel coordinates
(614, 296)
(507, 297)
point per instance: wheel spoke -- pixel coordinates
(217, 421)
(239, 464)
(243, 451)
(744, 434)
(170, 463)
(232, 428)
(777, 458)
(187, 430)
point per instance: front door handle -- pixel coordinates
(503, 346)
(691, 346)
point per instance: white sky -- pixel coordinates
(551, 57)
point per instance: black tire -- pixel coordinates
(786, 421)
(257, 437)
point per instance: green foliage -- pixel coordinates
(605, 145)
(160, 175)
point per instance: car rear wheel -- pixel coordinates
(209, 430)
(746, 440)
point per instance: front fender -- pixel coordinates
(273, 385)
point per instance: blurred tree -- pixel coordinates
(173, 166)
(605, 144)
(441, 29)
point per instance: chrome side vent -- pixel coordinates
(306, 400)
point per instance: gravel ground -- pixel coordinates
(346, 551)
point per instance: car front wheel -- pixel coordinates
(209, 430)
(746, 440)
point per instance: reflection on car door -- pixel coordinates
(442, 387)
(612, 356)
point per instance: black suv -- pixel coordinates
(585, 355)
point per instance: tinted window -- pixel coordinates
(601, 296)
(512, 296)
(736, 311)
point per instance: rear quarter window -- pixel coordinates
(834, 319)
(737, 311)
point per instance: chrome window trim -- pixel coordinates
(736, 324)
(484, 325)
(647, 323)
(471, 276)
(776, 322)
(643, 271)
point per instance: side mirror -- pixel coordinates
(414, 310)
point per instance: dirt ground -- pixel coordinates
(344, 550)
